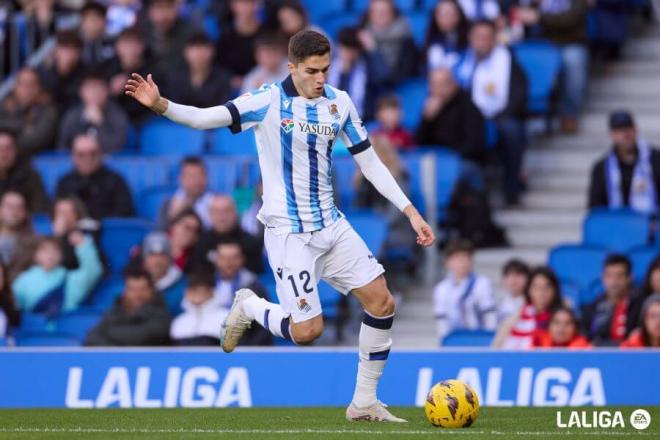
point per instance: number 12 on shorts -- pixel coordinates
(305, 278)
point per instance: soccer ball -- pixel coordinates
(452, 404)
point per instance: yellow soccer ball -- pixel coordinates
(452, 404)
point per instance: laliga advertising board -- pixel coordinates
(156, 378)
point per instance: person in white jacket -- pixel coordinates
(202, 316)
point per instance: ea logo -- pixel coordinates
(640, 419)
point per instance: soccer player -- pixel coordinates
(307, 238)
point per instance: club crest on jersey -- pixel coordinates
(333, 111)
(287, 125)
(303, 306)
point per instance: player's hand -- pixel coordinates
(144, 91)
(425, 235)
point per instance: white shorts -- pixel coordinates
(335, 254)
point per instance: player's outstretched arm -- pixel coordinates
(377, 173)
(146, 92)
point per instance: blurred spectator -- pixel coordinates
(183, 232)
(542, 298)
(562, 332)
(270, 52)
(139, 317)
(648, 333)
(17, 174)
(9, 315)
(388, 115)
(630, 174)
(200, 82)
(193, 192)
(384, 28)
(29, 112)
(231, 275)
(156, 256)
(122, 14)
(292, 18)
(515, 274)
(131, 58)
(70, 217)
(97, 46)
(451, 119)
(480, 9)
(225, 225)
(565, 24)
(15, 227)
(96, 115)
(447, 35)
(40, 20)
(499, 90)
(359, 69)
(651, 284)
(48, 287)
(614, 314)
(464, 300)
(104, 192)
(166, 33)
(399, 236)
(236, 44)
(202, 316)
(62, 77)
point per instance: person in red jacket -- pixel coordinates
(562, 332)
(648, 333)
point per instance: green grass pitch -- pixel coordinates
(295, 423)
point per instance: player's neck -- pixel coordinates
(300, 90)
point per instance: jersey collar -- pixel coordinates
(290, 89)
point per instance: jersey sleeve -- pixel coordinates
(353, 133)
(249, 109)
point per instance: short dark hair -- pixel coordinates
(69, 39)
(137, 272)
(483, 22)
(133, 33)
(270, 39)
(201, 279)
(231, 242)
(7, 131)
(94, 75)
(94, 7)
(348, 37)
(456, 246)
(187, 212)
(388, 101)
(307, 43)
(194, 161)
(515, 266)
(616, 259)
(199, 39)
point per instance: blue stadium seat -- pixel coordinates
(51, 168)
(448, 172)
(33, 321)
(413, 164)
(592, 292)
(541, 61)
(77, 323)
(372, 228)
(164, 137)
(419, 23)
(46, 339)
(468, 338)
(3, 342)
(571, 294)
(580, 264)
(332, 23)
(641, 258)
(616, 230)
(141, 172)
(329, 298)
(150, 201)
(224, 142)
(118, 236)
(318, 9)
(108, 290)
(343, 170)
(411, 94)
(41, 224)
(223, 173)
(404, 6)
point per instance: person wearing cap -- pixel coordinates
(168, 279)
(201, 82)
(629, 175)
(464, 300)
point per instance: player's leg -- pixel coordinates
(350, 267)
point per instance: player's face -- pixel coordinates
(309, 76)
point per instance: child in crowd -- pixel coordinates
(48, 287)
(388, 115)
(464, 300)
(515, 274)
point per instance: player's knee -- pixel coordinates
(383, 306)
(307, 334)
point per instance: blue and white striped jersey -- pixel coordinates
(294, 137)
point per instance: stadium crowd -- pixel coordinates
(178, 281)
